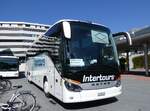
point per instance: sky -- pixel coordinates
(118, 15)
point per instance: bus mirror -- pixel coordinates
(67, 29)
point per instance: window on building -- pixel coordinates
(19, 25)
(27, 25)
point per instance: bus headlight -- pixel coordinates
(118, 83)
(72, 87)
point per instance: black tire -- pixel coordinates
(29, 81)
(28, 77)
(45, 84)
(23, 102)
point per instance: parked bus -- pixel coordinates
(75, 61)
(9, 66)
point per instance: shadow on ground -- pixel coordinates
(84, 105)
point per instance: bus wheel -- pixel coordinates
(29, 79)
(45, 88)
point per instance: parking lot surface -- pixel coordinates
(135, 97)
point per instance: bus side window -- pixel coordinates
(39, 63)
(56, 31)
(57, 59)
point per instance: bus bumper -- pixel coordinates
(90, 95)
(9, 74)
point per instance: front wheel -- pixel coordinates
(28, 76)
(23, 102)
(45, 88)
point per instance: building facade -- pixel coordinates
(18, 36)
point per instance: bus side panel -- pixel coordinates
(39, 69)
(28, 72)
(50, 75)
(35, 70)
(54, 79)
(58, 86)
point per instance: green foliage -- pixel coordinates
(138, 62)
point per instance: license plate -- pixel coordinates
(101, 94)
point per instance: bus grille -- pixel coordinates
(98, 85)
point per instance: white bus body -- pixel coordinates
(78, 80)
(9, 66)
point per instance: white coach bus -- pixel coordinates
(75, 61)
(9, 66)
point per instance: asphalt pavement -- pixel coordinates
(135, 97)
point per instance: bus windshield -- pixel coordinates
(8, 64)
(90, 44)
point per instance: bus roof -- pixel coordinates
(73, 20)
